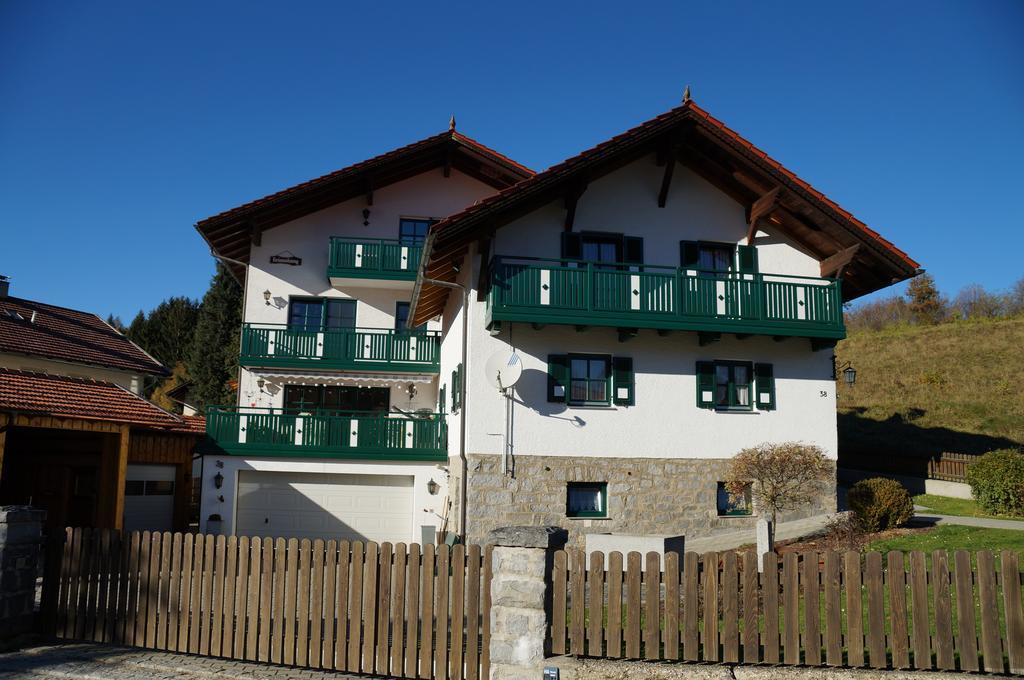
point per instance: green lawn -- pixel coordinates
(944, 505)
(951, 537)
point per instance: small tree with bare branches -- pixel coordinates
(780, 476)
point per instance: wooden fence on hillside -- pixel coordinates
(951, 467)
(395, 610)
(836, 609)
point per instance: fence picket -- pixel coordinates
(559, 575)
(614, 642)
(919, 606)
(652, 607)
(896, 579)
(117, 571)
(632, 606)
(316, 604)
(90, 588)
(812, 609)
(84, 571)
(472, 627)
(426, 652)
(876, 610)
(371, 569)
(854, 608)
(833, 611)
(218, 588)
(382, 608)
(331, 608)
(441, 614)
(353, 577)
(60, 627)
(711, 651)
(457, 625)
(672, 630)
(577, 585)
(243, 594)
(277, 634)
(185, 618)
(967, 640)
(405, 612)
(226, 638)
(770, 588)
(102, 582)
(751, 642)
(595, 585)
(991, 645)
(943, 612)
(174, 596)
(205, 610)
(730, 608)
(691, 607)
(791, 608)
(1010, 572)
(265, 626)
(302, 603)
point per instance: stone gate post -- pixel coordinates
(21, 531)
(521, 599)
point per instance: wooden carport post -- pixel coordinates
(4, 422)
(113, 472)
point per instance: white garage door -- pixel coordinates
(149, 498)
(355, 507)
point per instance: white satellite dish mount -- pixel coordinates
(503, 370)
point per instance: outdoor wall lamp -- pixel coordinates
(411, 390)
(260, 383)
(433, 487)
(849, 372)
(218, 480)
(366, 217)
(266, 296)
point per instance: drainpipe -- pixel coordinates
(420, 280)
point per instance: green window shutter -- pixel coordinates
(689, 255)
(572, 245)
(747, 257)
(705, 384)
(457, 389)
(558, 377)
(442, 399)
(623, 381)
(632, 250)
(765, 385)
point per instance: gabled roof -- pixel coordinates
(708, 147)
(69, 335)
(45, 394)
(230, 233)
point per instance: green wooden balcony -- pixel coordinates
(360, 349)
(665, 298)
(373, 262)
(327, 434)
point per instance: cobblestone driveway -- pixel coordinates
(105, 662)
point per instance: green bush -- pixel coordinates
(879, 504)
(997, 482)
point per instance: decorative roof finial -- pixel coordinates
(451, 124)
(686, 94)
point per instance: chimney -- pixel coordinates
(5, 285)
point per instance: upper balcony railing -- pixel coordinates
(361, 349)
(382, 259)
(327, 434)
(670, 298)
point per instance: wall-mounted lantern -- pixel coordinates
(266, 297)
(366, 217)
(218, 480)
(849, 372)
(433, 487)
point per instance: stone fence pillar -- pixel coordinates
(21, 535)
(521, 566)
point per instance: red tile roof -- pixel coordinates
(42, 393)
(69, 335)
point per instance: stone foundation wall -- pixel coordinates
(645, 496)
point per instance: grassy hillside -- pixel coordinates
(920, 391)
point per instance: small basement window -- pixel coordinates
(586, 499)
(730, 506)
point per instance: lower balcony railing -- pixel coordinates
(670, 298)
(327, 434)
(365, 349)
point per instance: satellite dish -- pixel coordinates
(503, 370)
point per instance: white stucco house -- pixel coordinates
(672, 296)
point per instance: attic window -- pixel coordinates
(14, 315)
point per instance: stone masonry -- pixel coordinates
(650, 496)
(20, 549)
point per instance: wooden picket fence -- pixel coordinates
(399, 610)
(951, 467)
(817, 609)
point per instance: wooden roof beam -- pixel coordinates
(836, 263)
(762, 208)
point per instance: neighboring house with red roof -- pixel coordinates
(670, 297)
(76, 437)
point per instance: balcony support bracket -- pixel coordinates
(627, 334)
(762, 208)
(537, 326)
(580, 329)
(818, 344)
(705, 339)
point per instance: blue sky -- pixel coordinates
(122, 124)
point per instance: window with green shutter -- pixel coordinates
(586, 499)
(591, 380)
(764, 382)
(457, 389)
(705, 384)
(746, 258)
(442, 400)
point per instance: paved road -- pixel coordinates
(96, 662)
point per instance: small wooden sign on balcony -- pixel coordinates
(286, 258)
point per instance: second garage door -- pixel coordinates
(354, 507)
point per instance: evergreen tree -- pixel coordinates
(116, 323)
(169, 329)
(213, 361)
(926, 303)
